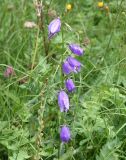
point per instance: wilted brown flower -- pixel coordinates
(86, 41)
(38, 6)
(23, 80)
(52, 13)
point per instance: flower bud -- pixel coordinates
(54, 27)
(70, 85)
(76, 49)
(65, 134)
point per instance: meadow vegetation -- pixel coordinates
(30, 118)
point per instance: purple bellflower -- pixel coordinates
(67, 69)
(65, 134)
(71, 65)
(54, 27)
(9, 71)
(63, 101)
(75, 64)
(76, 49)
(70, 85)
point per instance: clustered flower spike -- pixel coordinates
(54, 27)
(70, 65)
(65, 134)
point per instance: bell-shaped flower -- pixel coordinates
(67, 69)
(70, 85)
(71, 65)
(65, 134)
(75, 64)
(63, 101)
(54, 27)
(9, 71)
(76, 49)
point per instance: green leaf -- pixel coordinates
(108, 151)
(22, 155)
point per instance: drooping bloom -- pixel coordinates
(70, 85)
(63, 101)
(71, 65)
(65, 134)
(54, 27)
(9, 71)
(76, 49)
(75, 64)
(67, 69)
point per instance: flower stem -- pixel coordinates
(42, 28)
